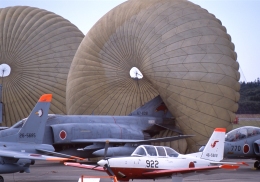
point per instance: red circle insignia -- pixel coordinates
(246, 148)
(191, 165)
(63, 134)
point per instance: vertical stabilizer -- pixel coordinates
(154, 107)
(34, 127)
(215, 147)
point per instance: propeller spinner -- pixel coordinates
(104, 162)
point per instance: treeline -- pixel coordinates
(249, 102)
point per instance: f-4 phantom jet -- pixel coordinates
(19, 150)
(85, 135)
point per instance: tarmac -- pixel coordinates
(57, 172)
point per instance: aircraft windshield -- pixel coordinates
(171, 152)
(242, 133)
(139, 151)
(159, 151)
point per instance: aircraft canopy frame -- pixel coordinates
(242, 133)
(154, 151)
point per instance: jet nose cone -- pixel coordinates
(102, 163)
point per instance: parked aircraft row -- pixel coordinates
(84, 136)
(40, 133)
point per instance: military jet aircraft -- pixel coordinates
(19, 150)
(85, 135)
(151, 162)
(243, 142)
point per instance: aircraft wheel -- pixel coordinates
(1, 179)
(257, 164)
(32, 162)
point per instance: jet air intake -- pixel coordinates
(256, 145)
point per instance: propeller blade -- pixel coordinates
(105, 154)
(106, 147)
(109, 169)
(95, 167)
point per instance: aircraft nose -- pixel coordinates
(102, 163)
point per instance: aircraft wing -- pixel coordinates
(167, 172)
(157, 173)
(25, 155)
(59, 154)
(96, 168)
(117, 140)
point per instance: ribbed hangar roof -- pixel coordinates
(39, 46)
(183, 52)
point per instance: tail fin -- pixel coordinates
(215, 147)
(154, 107)
(34, 127)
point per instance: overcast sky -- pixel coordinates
(240, 17)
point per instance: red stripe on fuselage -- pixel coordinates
(132, 173)
(119, 127)
(143, 173)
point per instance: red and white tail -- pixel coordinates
(214, 150)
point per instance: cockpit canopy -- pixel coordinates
(242, 133)
(158, 151)
(19, 124)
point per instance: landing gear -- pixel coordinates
(1, 179)
(32, 162)
(257, 164)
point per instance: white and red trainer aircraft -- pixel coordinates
(151, 162)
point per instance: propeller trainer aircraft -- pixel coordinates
(85, 135)
(18, 150)
(151, 162)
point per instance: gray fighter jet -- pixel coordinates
(19, 150)
(243, 142)
(85, 135)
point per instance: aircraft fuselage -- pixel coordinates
(67, 128)
(134, 167)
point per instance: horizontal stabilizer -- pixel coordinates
(229, 163)
(169, 127)
(31, 156)
(115, 140)
(226, 166)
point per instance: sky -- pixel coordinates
(240, 17)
